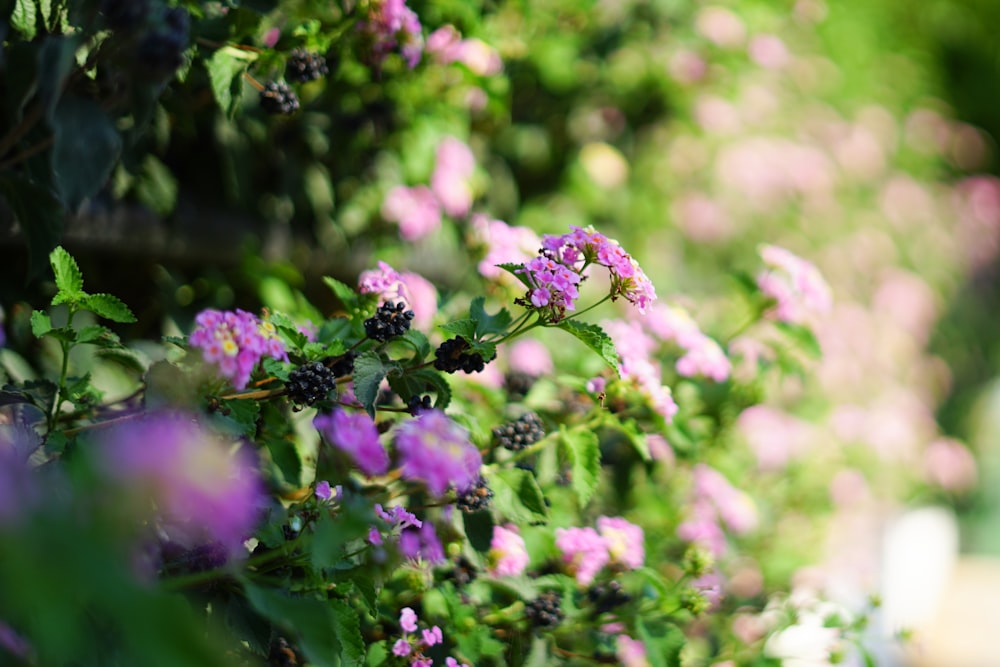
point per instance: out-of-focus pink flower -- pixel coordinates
(437, 451)
(235, 342)
(705, 358)
(769, 51)
(415, 210)
(401, 648)
(271, 37)
(630, 652)
(505, 244)
(531, 357)
(451, 180)
(204, 492)
(408, 620)
(795, 284)
(624, 541)
(720, 26)
(687, 67)
(481, 58)
(702, 527)
(949, 464)
(444, 44)
(702, 218)
(735, 507)
(774, 436)
(356, 435)
(392, 25)
(507, 552)
(660, 449)
(584, 550)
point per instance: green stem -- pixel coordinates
(65, 346)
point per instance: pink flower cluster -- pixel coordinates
(703, 356)
(235, 341)
(392, 24)
(587, 551)
(437, 451)
(635, 349)
(714, 499)
(796, 285)
(202, 490)
(417, 209)
(630, 652)
(411, 645)
(447, 46)
(356, 435)
(508, 554)
(416, 292)
(505, 244)
(398, 518)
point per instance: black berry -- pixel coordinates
(390, 320)
(418, 403)
(278, 98)
(344, 365)
(476, 497)
(451, 356)
(606, 597)
(303, 66)
(524, 431)
(545, 611)
(518, 384)
(310, 383)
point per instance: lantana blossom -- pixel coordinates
(392, 24)
(235, 342)
(356, 435)
(795, 284)
(508, 554)
(624, 541)
(437, 451)
(584, 550)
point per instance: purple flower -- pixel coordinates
(392, 24)
(421, 544)
(437, 451)
(20, 488)
(356, 435)
(235, 341)
(203, 490)
(624, 541)
(432, 636)
(325, 492)
(584, 550)
(508, 554)
(408, 620)
(401, 648)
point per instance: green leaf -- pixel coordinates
(56, 59)
(247, 626)
(109, 307)
(583, 450)
(513, 269)
(39, 215)
(225, 72)
(69, 280)
(369, 371)
(94, 333)
(418, 341)
(286, 459)
(802, 337)
(663, 641)
(310, 619)
(240, 417)
(345, 293)
(478, 529)
(41, 323)
(517, 496)
(332, 533)
(595, 338)
(347, 627)
(487, 324)
(86, 147)
(464, 328)
(125, 357)
(23, 18)
(156, 186)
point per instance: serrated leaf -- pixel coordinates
(517, 496)
(595, 338)
(347, 627)
(97, 335)
(514, 270)
(225, 70)
(345, 293)
(23, 18)
(464, 328)
(240, 417)
(369, 371)
(487, 324)
(125, 357)
(109, 307)
(41, 323)
(583, 450)
(418, 341)
(69, 279)
(332, 533)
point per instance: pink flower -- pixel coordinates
(706, 358)
(235, 341)
(507, 552)
(451, 662)
(950, 465)
(630, 652)
(451, 180)
(392, 24)
(356, 435)
(481, 58)
(401, 648)
(412, 289)
(624, 541)
(203, 490)
(505, 244)
(408, 620)
(796, 285)
(584, 550)
(432, 636)
(444, 44)
(735, 507)
(415, 210)
(437, 451)
(531, 357)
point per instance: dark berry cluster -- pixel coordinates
(518, 384)
(545, 611)
(451, 356)
(310, 383)
(390, 320)
(516, 435)
(278, 98)
(476, 497)
(606, 597)
(463, 574)
(418, 404)
(303, 66)
(124, 14)
(161, 49)
(344, 365)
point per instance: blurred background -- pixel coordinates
(859, 134)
